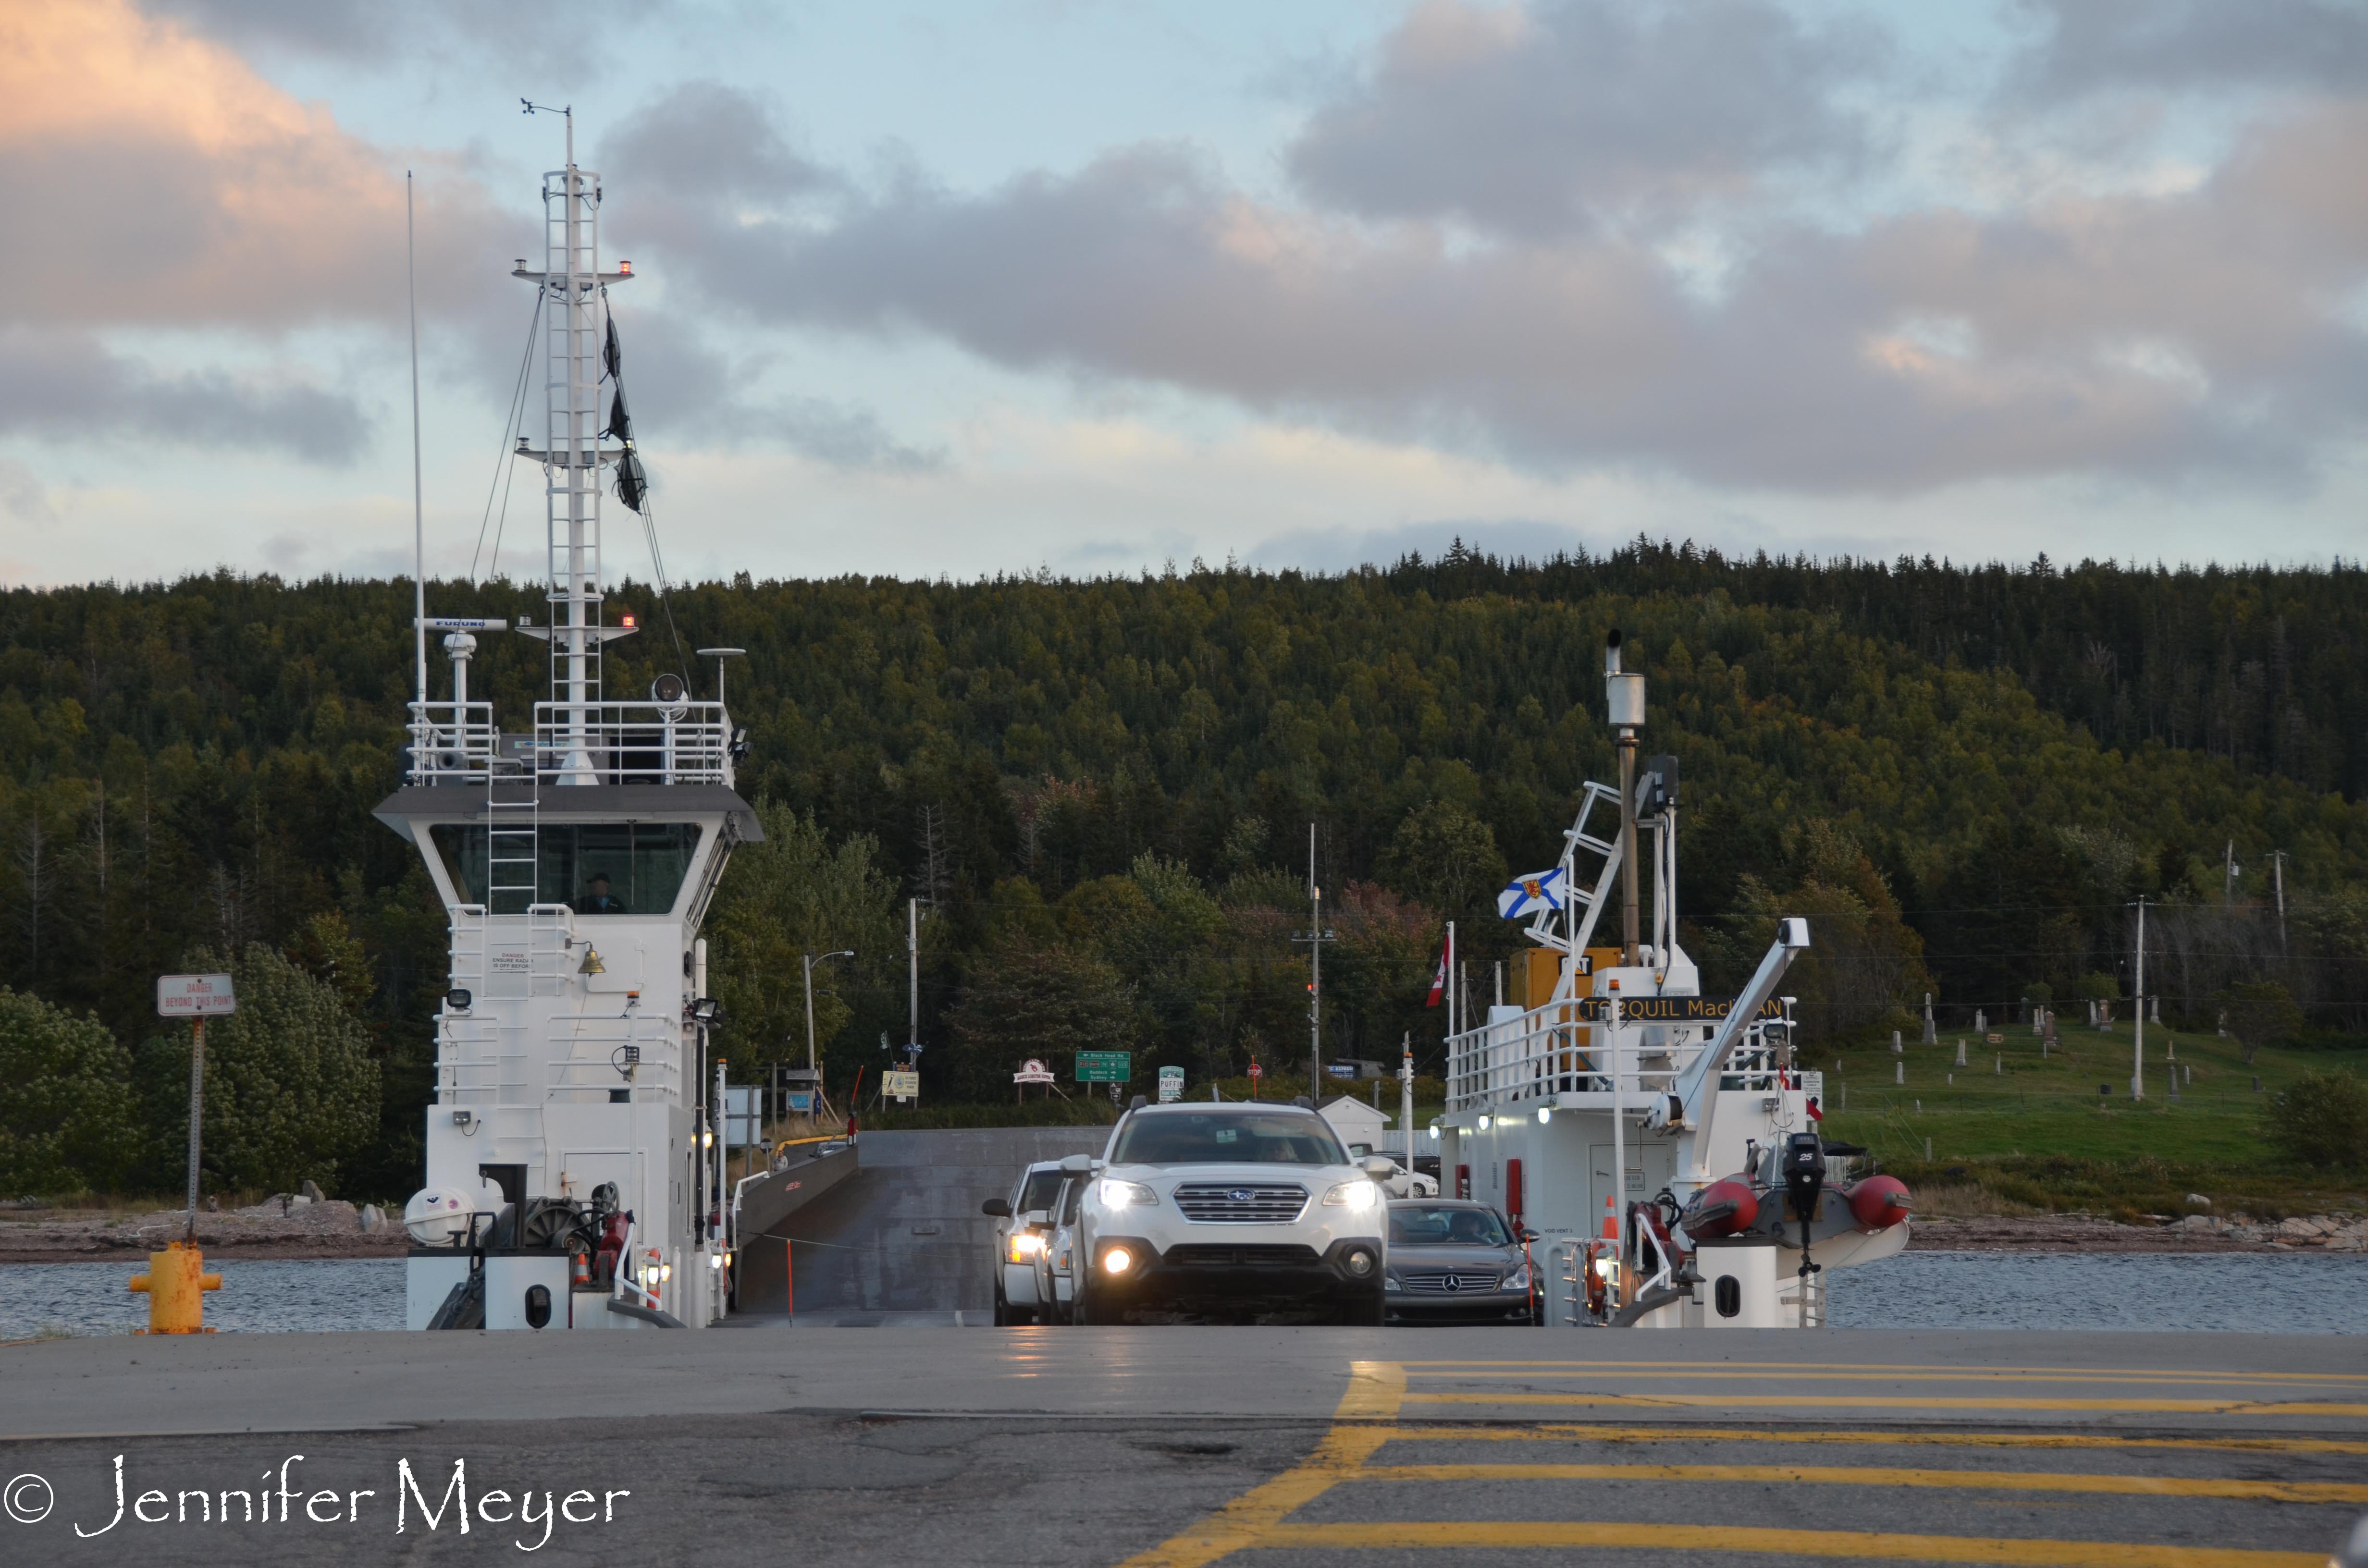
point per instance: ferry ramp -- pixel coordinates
(901, 1242)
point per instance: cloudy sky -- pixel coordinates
(1094, 285)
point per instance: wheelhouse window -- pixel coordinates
(592, 867)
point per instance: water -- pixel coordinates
(2282, 1293)
(2242, 1291)
(271, 1296)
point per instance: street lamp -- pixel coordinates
(812, 960)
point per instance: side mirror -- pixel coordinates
(1037, 1218)
(999, 1208)
(1077, 1165)
(1379, 1169)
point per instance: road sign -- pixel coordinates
(901, 1085)
(743, 1118)
(1256, 1070)
(1104, 1066)
(1171, 1084)
(802, 1101)
(1033, 1071)
(1342, 1069)
(194, 995)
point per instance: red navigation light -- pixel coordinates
(626, 268)
(627, 622)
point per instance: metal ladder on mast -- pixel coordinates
(513, 834)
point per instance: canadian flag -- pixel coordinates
(1439, 979)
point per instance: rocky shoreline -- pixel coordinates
(328, 1228)
(2094, 1233)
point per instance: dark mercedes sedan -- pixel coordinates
(1455, 1262)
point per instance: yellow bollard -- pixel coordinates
(174, 1285)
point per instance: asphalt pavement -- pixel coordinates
(899, 1438)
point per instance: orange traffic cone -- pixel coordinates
(1611, 1220)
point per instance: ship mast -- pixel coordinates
(571, 282)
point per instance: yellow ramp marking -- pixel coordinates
(2011, 1551)
(1852, 1475)
(1586, 1431)
(1371, 1397)
(1924, 1375)
(2037, 1372)
(1893, 1402)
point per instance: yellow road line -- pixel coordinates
(1586, 1432)
(1934, 1375)
(1853, 1475)
(2009, 1551)
(1375, 1389)
(1873, 1367)
(1892, 1401)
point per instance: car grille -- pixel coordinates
(1241, 1204)
(1197, 1256)
(1448, 1282)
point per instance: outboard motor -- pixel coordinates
(1804, 1183)
(1805, 1177)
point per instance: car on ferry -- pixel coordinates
(1241, 1212)
(1458, 1261)
(1024, 1218)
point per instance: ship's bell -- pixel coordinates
(592, 965)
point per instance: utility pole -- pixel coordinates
(1315, 937)
(1405, 1103)
(2229, 874)
(2278, 871)
(913, 973)
(2138, 1051)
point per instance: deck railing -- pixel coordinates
(1554, 1051)
(589, 742)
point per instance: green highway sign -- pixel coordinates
(1103, 1067)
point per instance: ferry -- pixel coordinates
(573, 1177)
(1660, 1146)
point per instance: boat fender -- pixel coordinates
(1879, 1202)
(1725, 1208)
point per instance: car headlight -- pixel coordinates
(1116, 1194)
(1023, 1246)
(1354, 1195)
(1517, 1280)
(1390, 1282)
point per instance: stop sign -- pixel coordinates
(1256, 1070)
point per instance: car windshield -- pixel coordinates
(1415, 1224)
(1041, 1188)
(1228, 1138)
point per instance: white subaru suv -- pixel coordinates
(1234, 1210)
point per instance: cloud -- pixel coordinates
(1540, 120)
(2089, 46)
(2150, 335)
(368, 32)
(66, 384)
(151, 177)
(704, 141)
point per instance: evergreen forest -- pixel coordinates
(1108, 794)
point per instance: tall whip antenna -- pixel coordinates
(418, 508)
